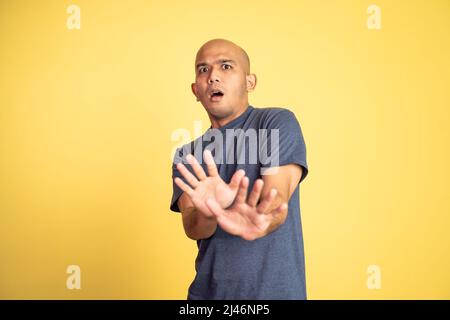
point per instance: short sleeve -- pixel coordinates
(194, 148)
(290, 145)
(177, 192)
(180, 156)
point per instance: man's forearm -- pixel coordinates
(279, 219)
(197, 226)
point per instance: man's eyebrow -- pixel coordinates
(227, 61)
(203, 64)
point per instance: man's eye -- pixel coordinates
(226, 66)
(203, 69)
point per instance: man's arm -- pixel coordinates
(250, 218)
(196, 225)
(285, 179)
(198, 221)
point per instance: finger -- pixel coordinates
(253, 198)
(190, 178)
(210, 164)
(183, 186)
(236, 179)
(267, 201)
(242, 192)
(198, 170)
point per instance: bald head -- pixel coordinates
(226, 46)
(222, 80)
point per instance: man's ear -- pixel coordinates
(194, 90)
(251, 82)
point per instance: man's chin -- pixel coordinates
(218, 110)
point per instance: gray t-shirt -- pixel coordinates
(271, 267)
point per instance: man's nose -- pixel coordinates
(213, 77)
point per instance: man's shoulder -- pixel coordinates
(272, 110)
(268, 116)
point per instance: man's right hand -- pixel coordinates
(201, 187)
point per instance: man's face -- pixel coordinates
(221, 79)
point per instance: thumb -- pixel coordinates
(282, 209)
(214, 207)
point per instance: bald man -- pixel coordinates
(242, 209)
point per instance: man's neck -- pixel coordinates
(218, 123)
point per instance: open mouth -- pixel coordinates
(216, 95)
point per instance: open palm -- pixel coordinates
(201, 187)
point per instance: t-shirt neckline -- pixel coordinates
(235, 122)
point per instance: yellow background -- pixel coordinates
(86, 118)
